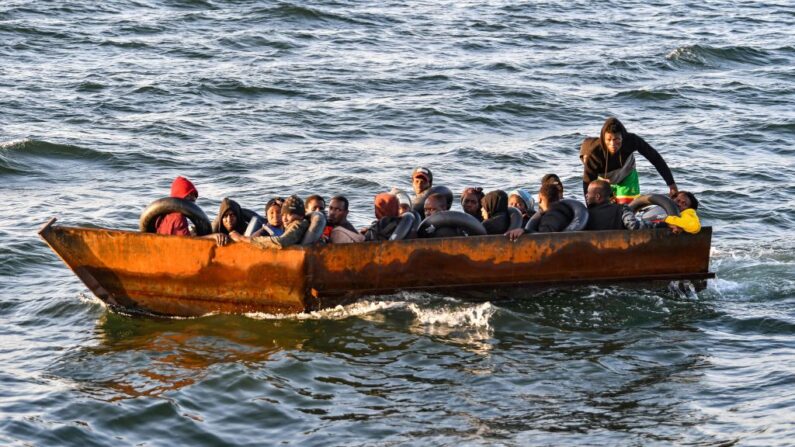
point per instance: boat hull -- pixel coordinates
(180, 276)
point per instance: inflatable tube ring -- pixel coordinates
(663, 201)
(317, 223)
(404, 227)
(580, 219)
(168, 205)
(516, 218)
(456, 219)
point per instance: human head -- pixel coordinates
(292, 209)
(470, 201)
(273, 212)
(521, 200)
(612, 135)
(315, 203)
(182, 188)
(337, 210)
(435, 203)
(548, 195)
(231, 216)
(685, 200)
(493, 203)
(552, 179)
(421, 179)
(599, 192)
(386, 205)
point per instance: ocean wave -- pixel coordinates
(643, 94)
(707, 56)
(29, 156)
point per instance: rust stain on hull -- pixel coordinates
(188, 276)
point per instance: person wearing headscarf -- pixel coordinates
(495, 212)
(612, 157)
(523, 201)
(176, 223)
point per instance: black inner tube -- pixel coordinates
(404, 227)
(663, 201)
(317, 223)
(578, 222)
(418, 205)
(168, 205)
(456, 219)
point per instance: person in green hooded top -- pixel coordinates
(611, 157)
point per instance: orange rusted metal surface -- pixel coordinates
(189, 276)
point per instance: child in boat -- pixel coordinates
(295, 227)
(688, 219)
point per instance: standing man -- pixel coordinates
(421, 180)
(611, 157)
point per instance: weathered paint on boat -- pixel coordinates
(181, 276)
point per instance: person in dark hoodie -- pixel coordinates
(605, 215)
(387, 214)
(231, 219)
(611, 157)
(555, 216)
(495, 212)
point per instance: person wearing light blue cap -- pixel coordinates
(523, 201)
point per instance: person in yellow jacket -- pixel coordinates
(688, 219)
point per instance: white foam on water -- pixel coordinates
(358, 309)
(467, 315)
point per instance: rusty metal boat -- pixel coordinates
(178, 276)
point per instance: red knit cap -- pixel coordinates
(182, 187)
(386, 205)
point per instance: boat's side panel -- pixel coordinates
(182, 276)
(495, 261)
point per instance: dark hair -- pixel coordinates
(551, 192)
(478, 192)
(552, 179)
(315, 197)
(440, 198)
(274, 201)
(604, 188)
(342, 199)
(692, 198)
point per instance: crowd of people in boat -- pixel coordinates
(610, 182)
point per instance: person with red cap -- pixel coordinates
(176, 223)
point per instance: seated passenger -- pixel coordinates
(435, 203)
(552, 179)
(315, 203)
(341, 230)
(688, 219)
(176, 223)
(555, 216)
(295, 227)
(231, 220)
(603, 214)
(273, 213)
(403, 199)
(521, 200)
(495, 212)
(387, 214)
(470, 202)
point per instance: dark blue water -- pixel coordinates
(102, 104)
